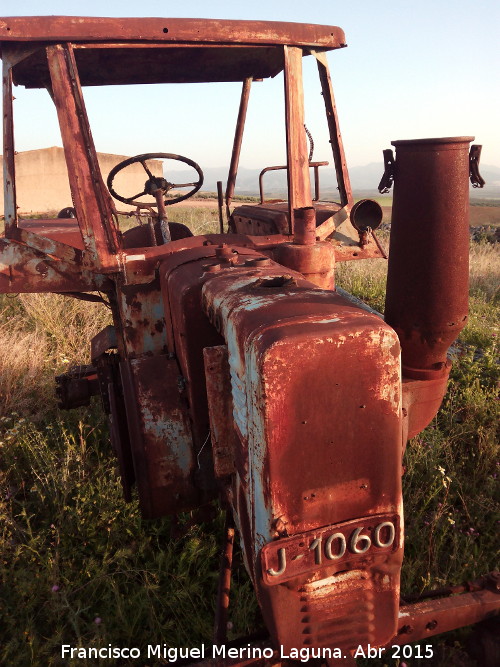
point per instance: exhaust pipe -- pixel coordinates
(428, 276)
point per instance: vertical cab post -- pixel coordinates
(92, 203)
(343, 181)
(9, 170)
(238, 138)
(299, 184)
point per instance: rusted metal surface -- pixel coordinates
(433, 617)
(427, 301)
(91, 202)
(222, 603)
(333, 225)
(142, 318)
(9, 175)
(76, 387)
(316, 262)
(24, 269)
(105, 357)
(305, 226)
(417, 622)
(160, 436)
(188, 333)
(366, 215)
(306, 333)
(50, 246)
(421, 401)
(232, 361)
(62, 233)
(150, 234)
(288, 558)
(261, 220)
(315, 166)
(343, 179)
(299, 185)
(238, 138)
(220, 409)
(88, 29)
(104, 341)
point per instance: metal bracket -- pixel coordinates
(474, 156)
(388, 178)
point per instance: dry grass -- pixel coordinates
(41, 335)
(23, 374)
(485, 271)
(68, 324)
(371, 275)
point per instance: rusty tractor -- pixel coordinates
(235, 368)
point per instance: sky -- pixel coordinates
(411, 70)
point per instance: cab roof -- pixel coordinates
(160, 50)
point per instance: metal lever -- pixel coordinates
(474, 156)
(388, 178)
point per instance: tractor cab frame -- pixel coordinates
(234, 368)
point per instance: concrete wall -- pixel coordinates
(43, 186)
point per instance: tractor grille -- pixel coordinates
(338, 611)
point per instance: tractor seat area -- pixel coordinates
(140, 236)
(67, 231)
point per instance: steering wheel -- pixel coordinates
(155, 183)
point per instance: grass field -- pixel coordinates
(79, 566)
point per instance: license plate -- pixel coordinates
(291, 557)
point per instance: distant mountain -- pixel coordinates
(364, 178)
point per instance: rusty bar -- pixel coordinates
(86, 183)
(315, 166)
(73, 28)
(433, 617)
(220, 204)
(102, 342)
(220, 409)
(343, 180)
(226, 562)
(299, 184)
(9, 168)
(324, 229)
(238, 138)
(261, 179)
(428, 277)
(104, 225)
(316, 184)
(305, 226)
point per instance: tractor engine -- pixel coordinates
(304, 401)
